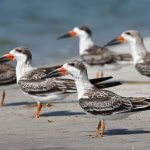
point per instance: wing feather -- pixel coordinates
(7, 74)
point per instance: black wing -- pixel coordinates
(7, 74)
(97, 56)
(143, 68)
(102, 102)
(39, 73)
(51, 85)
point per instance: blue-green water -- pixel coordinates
(37, 23)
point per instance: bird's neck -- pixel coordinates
(85, 43)
(22, 68)
(138, 52)
(82, 84)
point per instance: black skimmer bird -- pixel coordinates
(7, 78)
(92, 54)
(141, 58)
(103, 104)
(30, 80)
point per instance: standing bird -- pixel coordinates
(141, 58)
(7, 78)
(103, 104)
(30, 80)
(92, 54)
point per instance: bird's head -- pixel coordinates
(82, 31)
(130, 36)
(74, 68)
(19, 53)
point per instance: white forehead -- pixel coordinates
(12, 51)
(76, 29)
(65, 65)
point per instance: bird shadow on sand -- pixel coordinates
(135, 82)
(16, 104)
(62, 113)
(114, 132)
(25, 103)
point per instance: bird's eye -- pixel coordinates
(128, 33)
(72, 64)
(18, 50)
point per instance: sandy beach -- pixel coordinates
(65, 126)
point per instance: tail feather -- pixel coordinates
(141, 104)
(108, 84)
(96, 80)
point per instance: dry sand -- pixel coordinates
(65, 126)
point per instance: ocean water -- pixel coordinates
(36, 24)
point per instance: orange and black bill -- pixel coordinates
(6, 58)
(68, 35)
(116, 41)
(57, 73)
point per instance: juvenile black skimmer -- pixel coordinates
(7, 77)
(30, 80)
(104, 104)
(141, 57)
(92, 54)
